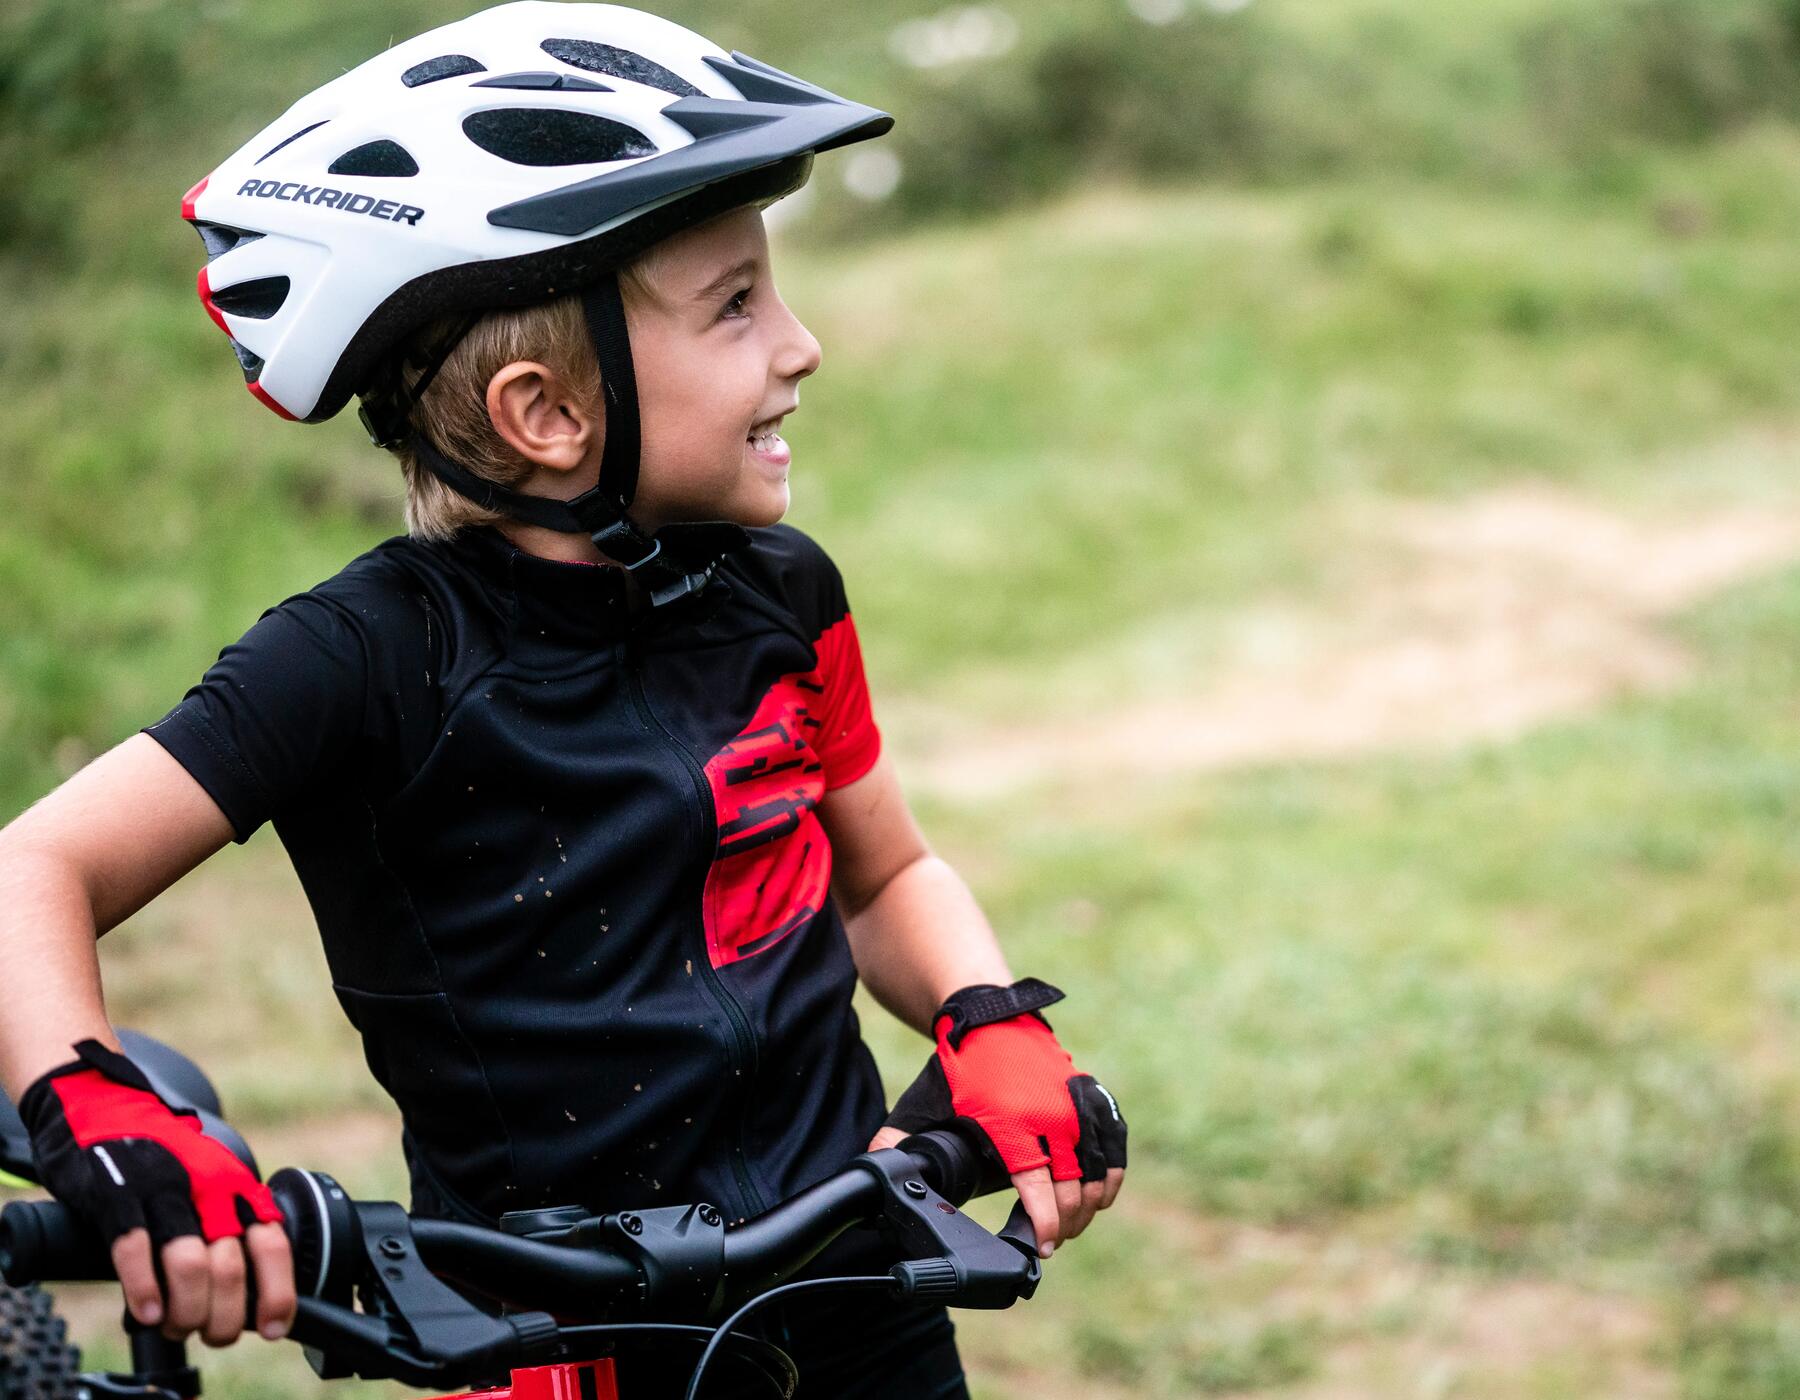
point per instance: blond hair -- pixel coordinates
(453, 413)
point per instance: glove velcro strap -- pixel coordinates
(984, 1004)
(121, 1070)
(90, 1055)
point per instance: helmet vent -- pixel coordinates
(220, 239)
(549, 136)
(618, 63)
(289, 140)
(258, 299)
(250, 362)
(543, 82)
(449, 65)
(382, 158)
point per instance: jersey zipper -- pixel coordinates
(743, 1041)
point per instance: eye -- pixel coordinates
(738, 304)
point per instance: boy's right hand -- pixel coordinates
(108, 1147)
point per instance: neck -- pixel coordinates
(557, 544)
(552, 544)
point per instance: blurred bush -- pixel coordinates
(1663, 70)
(1242, 95)
(1119, 98)
(73, 80)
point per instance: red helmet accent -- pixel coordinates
(187, 200)
(268, 400)
(204, 287)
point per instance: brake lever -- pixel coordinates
(953, 1259)
(1019, 1232)
(341, 1342)
(414, 1328)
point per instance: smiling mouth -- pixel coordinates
(766, 441)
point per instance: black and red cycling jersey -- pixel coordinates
(566, 860)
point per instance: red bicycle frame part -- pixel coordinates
(581, 1380)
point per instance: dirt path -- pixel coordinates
(1477, 620)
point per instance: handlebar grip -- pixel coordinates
(44, 1242)
(958, 1162)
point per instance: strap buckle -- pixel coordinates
(621, 541)
(386, 420)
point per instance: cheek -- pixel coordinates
(695, 411)
(711, 415)
(694, 448)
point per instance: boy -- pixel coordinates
(580, 775)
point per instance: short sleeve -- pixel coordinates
(800, 579)
(848, 743)
(281, 710)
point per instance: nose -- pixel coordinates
(799, 353)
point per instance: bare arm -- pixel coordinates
(83, 859)
(916, 933)
(79, 862)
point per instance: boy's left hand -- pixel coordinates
(1058, 1132)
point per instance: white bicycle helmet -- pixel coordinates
(523, 152)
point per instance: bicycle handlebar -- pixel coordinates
(677, 1263)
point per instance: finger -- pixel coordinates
(225, 1311)
(137, 1276)
(273, 1260)
(1068, 1206)
(887, 1137)
(1115, 1178)
(186, 1268)
(1039, 1199)
(1091, 1192)
(1103, 1130)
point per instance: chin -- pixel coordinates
(766, 511)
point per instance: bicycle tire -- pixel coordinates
(37, 1361)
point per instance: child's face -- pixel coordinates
(719, 360)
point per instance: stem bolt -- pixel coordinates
(915, 1189)
(631, 1225)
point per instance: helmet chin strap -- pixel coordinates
(673, 563)
(607, 504)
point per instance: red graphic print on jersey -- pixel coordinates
(812, 731)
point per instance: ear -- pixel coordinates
(540, 417)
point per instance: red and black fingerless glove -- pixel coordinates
(108, 1147)
(998, 1064)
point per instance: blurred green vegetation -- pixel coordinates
(1153, 312)
(1282, 91)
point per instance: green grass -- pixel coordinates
(1221, 366)
(1526, 1010)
